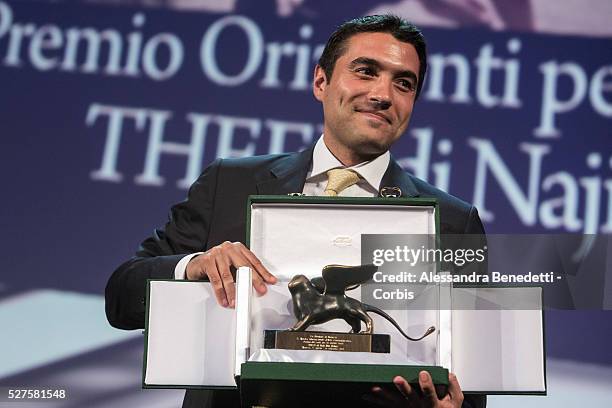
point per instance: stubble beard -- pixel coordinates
(366, 146)
(357, 137)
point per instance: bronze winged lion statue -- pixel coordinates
(323, 299)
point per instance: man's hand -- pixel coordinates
(216, 264)
(409, 397)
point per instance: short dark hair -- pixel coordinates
(399, 28)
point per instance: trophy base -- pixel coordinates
(329, 341)
(307, 385)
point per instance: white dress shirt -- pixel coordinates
(371, 173)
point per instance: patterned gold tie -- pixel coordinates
(338, 180)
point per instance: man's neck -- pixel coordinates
(346, 156)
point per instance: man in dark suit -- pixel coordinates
(367, 79)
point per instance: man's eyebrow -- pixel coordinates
(364, 61)
(408, 74)
(374, 63)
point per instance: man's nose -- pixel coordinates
(380, 94)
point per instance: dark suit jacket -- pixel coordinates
(215, 211)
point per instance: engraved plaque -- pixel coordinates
(311, 340)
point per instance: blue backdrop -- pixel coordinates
(108, 114)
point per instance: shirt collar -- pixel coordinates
(371, 171)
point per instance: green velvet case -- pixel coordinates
(313, 385)
(321, 384)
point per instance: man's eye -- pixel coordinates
(366, 71)
(406, 84)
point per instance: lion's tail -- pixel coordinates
(374, 309)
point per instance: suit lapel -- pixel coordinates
(395, 176)
(287, 175)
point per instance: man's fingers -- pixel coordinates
(454, 390)
(215, 280)
(257, 265)
(238, 259)
(217, 263)
(428, 388)
(382, 397)
(402, 386)
(406, 391)
(383, 393)
(229, 287)
(261, 275)
(259, 284)
(374, 399)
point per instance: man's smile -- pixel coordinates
(375, 114)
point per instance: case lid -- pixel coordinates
(300, 235)
(191, 342)
(499, 350)
(189, 337)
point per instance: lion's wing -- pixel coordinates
(338, 277)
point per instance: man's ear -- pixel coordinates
(319, 83)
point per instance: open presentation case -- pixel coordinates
(191, 342)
